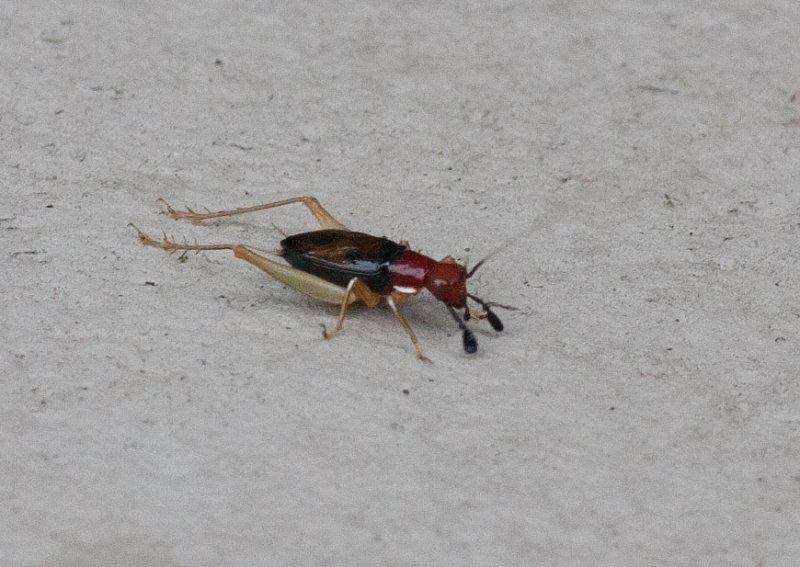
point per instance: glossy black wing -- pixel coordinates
(340, 255)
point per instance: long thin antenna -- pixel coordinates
(494, 251)
(475, 267)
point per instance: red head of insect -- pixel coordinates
(448, 283)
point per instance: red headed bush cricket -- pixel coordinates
(337, 265)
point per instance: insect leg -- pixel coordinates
(303, 282)
(172, 245)
(348, 292)
(324, 218)
(408, 329)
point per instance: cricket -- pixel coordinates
(339, 266)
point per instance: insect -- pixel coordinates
(336, 265)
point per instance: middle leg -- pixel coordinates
(356, 289)
(408, 329)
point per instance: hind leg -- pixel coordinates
(324, 218)
(303, 282)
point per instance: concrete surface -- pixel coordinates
(640, 159)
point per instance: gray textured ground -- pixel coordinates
(643, 405)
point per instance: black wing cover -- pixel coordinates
(340, 255)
